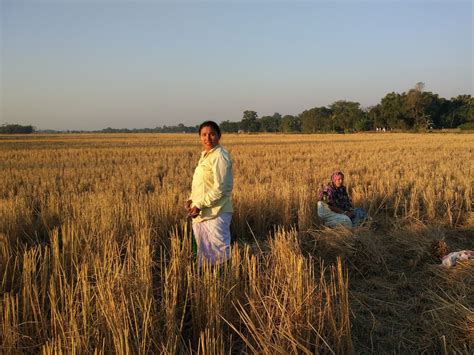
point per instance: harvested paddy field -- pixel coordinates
(95, 252)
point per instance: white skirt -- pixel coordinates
(213, 239)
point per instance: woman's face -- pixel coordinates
(209, 138)
(338, 181)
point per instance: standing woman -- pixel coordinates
(210, 204)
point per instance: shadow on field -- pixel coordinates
(401, 299)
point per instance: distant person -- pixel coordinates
(335, 205)
(210, 205)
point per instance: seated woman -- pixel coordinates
(335, 205)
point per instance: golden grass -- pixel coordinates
(95, 252)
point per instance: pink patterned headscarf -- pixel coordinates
(336, 174)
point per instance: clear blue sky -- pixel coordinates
(75, 64)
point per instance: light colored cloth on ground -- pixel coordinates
(452, 258)
(213, 239)
(332, 219)
(212, 184)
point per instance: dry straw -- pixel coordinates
(95, 256)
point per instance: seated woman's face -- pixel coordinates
(338, 181)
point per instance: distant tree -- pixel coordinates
(365, 122)
(346, 113)
(290, 123)
(16, 129)
(229, 127)
(266, 124)
(419, 86)
(432, 111)
(417, 103)
(374, 114)
(250, 121)
(470, 117)
(270, 123)
(394, 112)
(316, 119)
(456, 111)
(187, 129)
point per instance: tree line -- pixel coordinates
(180, 128)
(19, 129)
(412, 110)
(15, 128)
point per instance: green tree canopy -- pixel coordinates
(415, 109)
(316, 119)
(16, 129)
(270, 123)
(345, 114)
(290, 123)
(393, 112)
(229, 127)
(250, 121)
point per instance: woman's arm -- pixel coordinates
(341, 211)
(335, 209)
(222, 174)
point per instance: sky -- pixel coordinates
(86, 65)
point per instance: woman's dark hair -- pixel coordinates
(211, 124)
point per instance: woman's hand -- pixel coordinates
(193, 212)
(349, 214)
